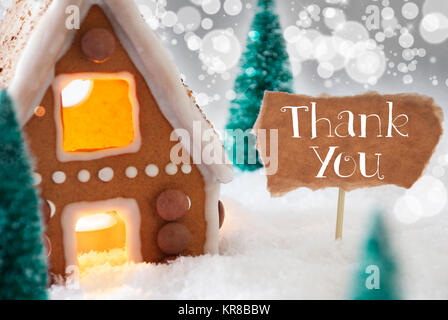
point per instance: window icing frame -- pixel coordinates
(60, 83)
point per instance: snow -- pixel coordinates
(282, 248)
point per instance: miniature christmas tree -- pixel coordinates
(265, 66)
(376, 278)
(23, 271)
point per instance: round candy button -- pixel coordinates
(172, 204)
(98, 45)
(173, 238)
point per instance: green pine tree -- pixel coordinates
(376, 278)
(23, 270)
(265, 66)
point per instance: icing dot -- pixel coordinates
(171, 169)
(52, 208)
(47, 245)
(59, 177)
(189, 202)
(39, 111)
(106, 174)
(37, 178)
(186, 168)
(83, 176)
(152, 170)
(131, 172)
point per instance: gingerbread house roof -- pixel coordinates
(33, 38)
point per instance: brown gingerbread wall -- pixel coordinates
(155, 132)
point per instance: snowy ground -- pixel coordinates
(283, 248)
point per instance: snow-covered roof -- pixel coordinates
(49, 40)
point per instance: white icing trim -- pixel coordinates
(212, 191)
(171, 169)
(49, 245)
(84, 176)
(106, 174)
(60, 83)
(152, 170)
(127, 209)
(37, 179)
(59, 177)
(189, 202)
(52, 208)
(131, 172)
(186, 168)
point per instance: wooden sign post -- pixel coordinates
(340, 214)
(345, 142)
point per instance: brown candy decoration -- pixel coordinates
(173, 238)
(172, 204)
(46, 211)
(98, 45)
(222, 213)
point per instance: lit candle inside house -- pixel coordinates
(100, 232)
(76, 92)
(95, 222)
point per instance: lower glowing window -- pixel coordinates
(100, 240)
(97, 114)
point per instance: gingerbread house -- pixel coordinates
(101, 105)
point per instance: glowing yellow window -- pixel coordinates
(101, 239)
(97, 114)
